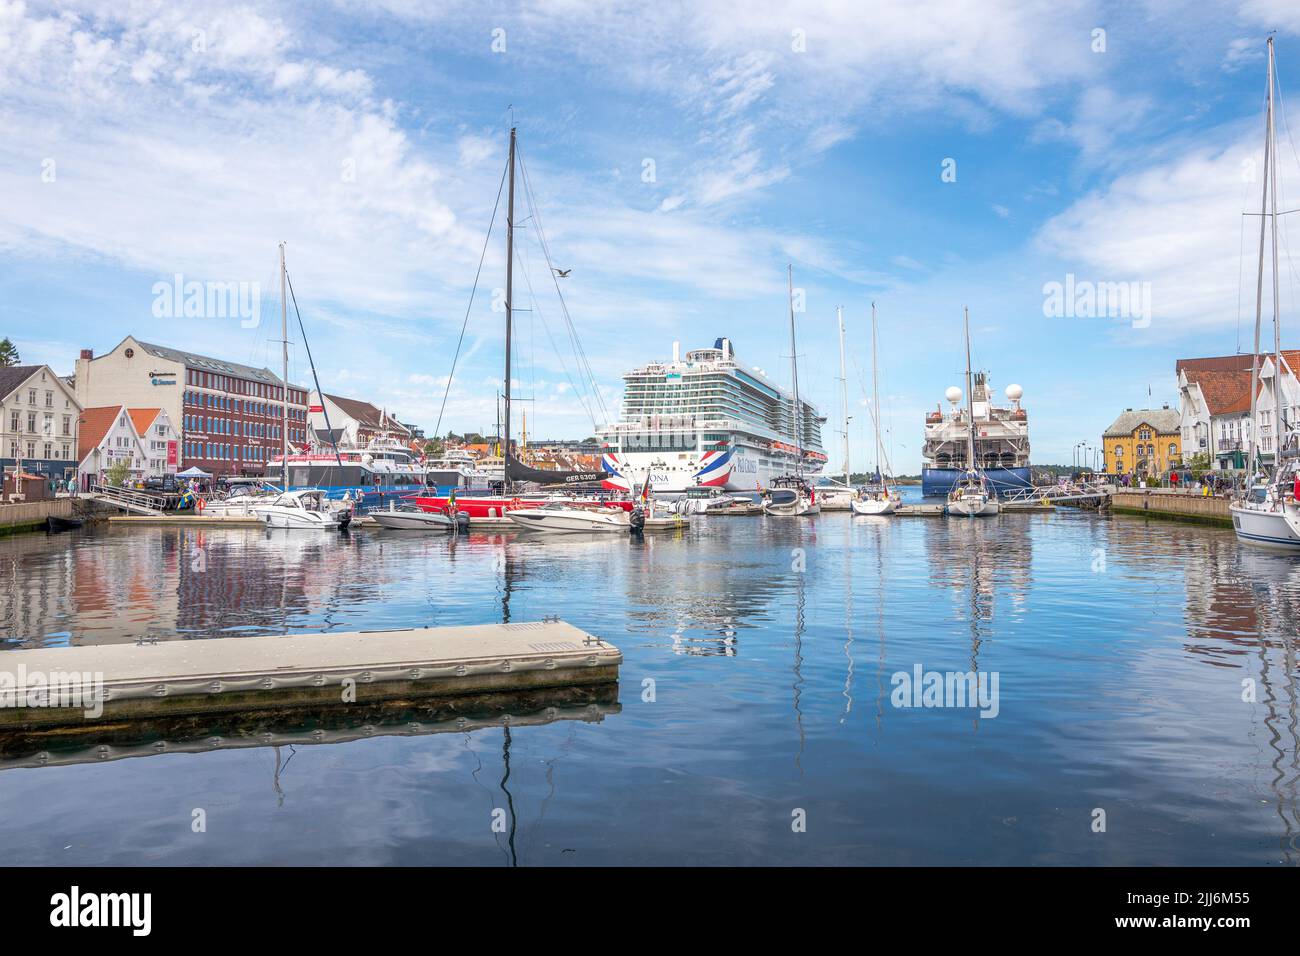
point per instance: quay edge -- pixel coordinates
(1173, 505)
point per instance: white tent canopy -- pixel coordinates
(193, 472)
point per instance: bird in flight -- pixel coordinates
(563, 273)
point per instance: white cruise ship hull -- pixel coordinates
(1268, 529)
(739, 468)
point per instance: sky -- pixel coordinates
(927, 157)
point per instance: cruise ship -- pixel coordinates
(1001, 440)
(708, 421)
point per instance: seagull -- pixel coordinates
(563, 273)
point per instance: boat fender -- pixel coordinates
(200, 504)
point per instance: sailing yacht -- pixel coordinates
(972, 495)
(513, 471)
(1269, 514)
(792, 497)
(873, 501)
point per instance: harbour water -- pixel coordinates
(760, 656)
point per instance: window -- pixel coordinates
(31, 421)
(1173, 450)
(31, 396)
(67, 424)
(49, 400)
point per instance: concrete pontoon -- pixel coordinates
(223, 675)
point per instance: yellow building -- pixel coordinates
(1144, 441)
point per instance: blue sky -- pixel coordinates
(139, 141)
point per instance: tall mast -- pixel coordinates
(844, 387)
(970, 397)
(1277, 329)
(510, 274)
(794, 375)
(1259, 282)
(284, 397)
(875, 397)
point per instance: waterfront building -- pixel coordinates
(352, 422)
(161, 439)
(109, 437)
(1214, 406)
(39, 421)
(228, 416)
(1141, 442)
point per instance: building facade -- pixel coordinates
(352, 421)
(109, 438)
(1214, 406)
(227, 416)
(39, 421)
(1144, 441)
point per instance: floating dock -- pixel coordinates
(190, 520)
(223, 675)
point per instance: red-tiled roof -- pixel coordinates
(142, 418)
(95, 423)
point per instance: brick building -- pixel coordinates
(228, 415)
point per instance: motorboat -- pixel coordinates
(411, 517)
(972, 497)
(307, 509)
(791, 498)
(566, 517)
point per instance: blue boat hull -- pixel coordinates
(937, 482)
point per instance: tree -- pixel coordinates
(117, 473)
(433, 448)
(1199, 463)
(8, 354)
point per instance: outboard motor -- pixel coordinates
(636, 521)
(462, 521)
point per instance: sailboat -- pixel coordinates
(839, 496)
(792, 496)
(1269, 515)
(515, 471)
(972, 495)
(874, 501)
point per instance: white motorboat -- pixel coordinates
(793, 499)
(306, 509)
(564, 517)
(412, 518)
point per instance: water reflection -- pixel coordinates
(1122, 645)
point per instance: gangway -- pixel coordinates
(1071, 492)
(128, 499)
